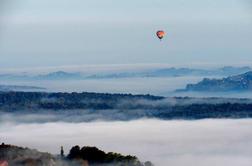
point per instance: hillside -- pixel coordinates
(242, 82)
(20, 88)
(19, 156)
(95, 106)
(86, 156)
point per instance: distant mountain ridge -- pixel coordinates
(177, 72)
(224, 71)
(19, 88)
(241, 82)
(164, 72)
(59, 75)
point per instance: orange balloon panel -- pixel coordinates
(160, 34)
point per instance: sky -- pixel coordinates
(46, 33)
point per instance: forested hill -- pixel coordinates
(93, 106)
(85, 156)
(40, 100)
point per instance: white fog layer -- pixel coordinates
(155, 86)
(165, 143)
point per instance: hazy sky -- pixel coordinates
(80, 32)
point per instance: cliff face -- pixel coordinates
(241, 82)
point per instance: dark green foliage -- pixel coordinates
(94, 156)
(55, 101)
(74, 153)
(87, 156)
(125, 106)
(201, 111)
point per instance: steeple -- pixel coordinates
(62, 151)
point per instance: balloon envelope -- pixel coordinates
(160, 34)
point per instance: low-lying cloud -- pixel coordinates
(176, 143)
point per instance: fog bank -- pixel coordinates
(176, 143)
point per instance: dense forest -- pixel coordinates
(124, 106)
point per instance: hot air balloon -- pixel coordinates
(160, 34)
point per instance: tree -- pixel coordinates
(74, 153)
